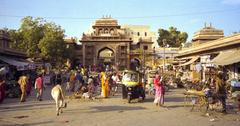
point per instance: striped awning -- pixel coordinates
(19, 64)
(193, 59)
(227, 57)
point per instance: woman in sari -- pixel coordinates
(159, 91)
(104, 84)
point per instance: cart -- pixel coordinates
(197, 100)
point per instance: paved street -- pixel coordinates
(112, 111)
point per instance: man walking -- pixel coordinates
(39, 87)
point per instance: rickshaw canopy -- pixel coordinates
(130, 78)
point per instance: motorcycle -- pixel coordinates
(132, 86)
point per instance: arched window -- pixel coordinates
(111, 31)
(100, 31)
(106, 31)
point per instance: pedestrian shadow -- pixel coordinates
(174, 106)
(166, 99)
(149, 99)
(115, 108)
(174, 99)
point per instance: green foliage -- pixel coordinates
(171, 37)
(16, 39)
(52, 44)
(40, 39)
(170, 67)
(69, 52)
(32, 32)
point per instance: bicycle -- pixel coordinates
(197, 99)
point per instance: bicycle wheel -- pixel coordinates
(202, 104)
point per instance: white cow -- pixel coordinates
(58, 96)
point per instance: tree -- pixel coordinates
(15, 39)
(52, 45)
(171, 37)
(40, 39)
(32, 32)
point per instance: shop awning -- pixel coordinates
(193, 59)
(19, 64)
(227, 57)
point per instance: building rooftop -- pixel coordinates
(145, 27)
(208, 33)
(4, 34)
(69, 40)
(232, 41)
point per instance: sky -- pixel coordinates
(77, 16)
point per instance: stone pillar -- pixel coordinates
(115, 56)
(84, 52)
(95, 55)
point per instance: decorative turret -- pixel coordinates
(106, 26)
(208, 33)
(106, 21)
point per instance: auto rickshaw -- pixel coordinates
(132, 86)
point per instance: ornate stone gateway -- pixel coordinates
(106, 44)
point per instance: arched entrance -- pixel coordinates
(106, 56)
(135, 64)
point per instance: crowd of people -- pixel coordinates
(91, 83)
(84, 80)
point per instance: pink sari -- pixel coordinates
(159, 91)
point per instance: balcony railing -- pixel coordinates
(105, 37)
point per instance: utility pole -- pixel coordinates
(154, 58)
(164, 44)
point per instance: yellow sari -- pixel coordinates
(104, 83)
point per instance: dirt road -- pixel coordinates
(106, 112)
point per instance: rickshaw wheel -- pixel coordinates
(129, 99)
